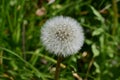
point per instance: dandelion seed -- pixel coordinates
(62, 36)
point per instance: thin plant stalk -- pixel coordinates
(89, 67)
(1, 61)
(57, 72)
(23, 40)
(1, 55)
(115, 16)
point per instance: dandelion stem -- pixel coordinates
(57, 72)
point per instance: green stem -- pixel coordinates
(115, 16)
(1, 60)
(23, 40)
(57, 72)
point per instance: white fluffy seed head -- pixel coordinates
(62, 36)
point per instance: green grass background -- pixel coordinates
(22, 56)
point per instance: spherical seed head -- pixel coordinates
(62, 36)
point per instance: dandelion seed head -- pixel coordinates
(62, 36)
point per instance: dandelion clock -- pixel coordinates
(62, 36)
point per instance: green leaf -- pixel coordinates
(98, 15)
(110, 52)
(97, 67)
(89, 42)
(97, 32)
(95, 51)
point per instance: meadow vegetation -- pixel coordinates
(22, 56)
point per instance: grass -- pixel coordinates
(22, 56)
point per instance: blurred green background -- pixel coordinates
(22, 56)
